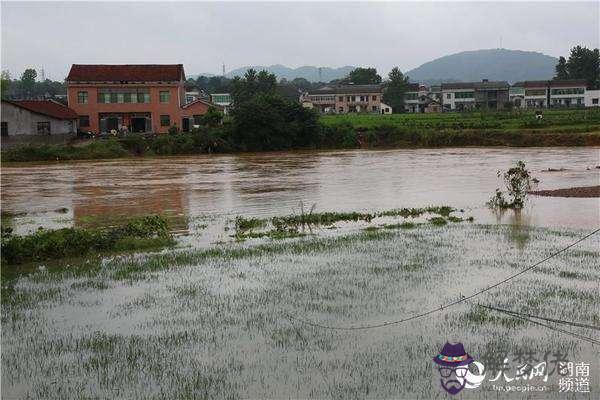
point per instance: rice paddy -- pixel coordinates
(214, 323)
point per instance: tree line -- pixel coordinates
(583, 63)
(28, 87)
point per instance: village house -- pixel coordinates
(462, 96)
(130, 98)
(551, 93)
(37, 117)
(342, 99)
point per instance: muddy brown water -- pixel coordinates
(219, 187)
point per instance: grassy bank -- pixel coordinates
(580, 127)
(213, 323)
(137, 233)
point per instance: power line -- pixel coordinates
(556, 321)
(442, 307)
(574, 334)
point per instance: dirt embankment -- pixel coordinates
(585, 191)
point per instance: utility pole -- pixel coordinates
(223, 70)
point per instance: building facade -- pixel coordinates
(552, 94)
(222, 100)
(592, 98)
(135, 98)
(342, 99)
(463, 96)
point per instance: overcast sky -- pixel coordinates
(202, 36)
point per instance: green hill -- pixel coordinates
(492, 64)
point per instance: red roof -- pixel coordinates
(45, 107)
(127, 73)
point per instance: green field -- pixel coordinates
(586, 118)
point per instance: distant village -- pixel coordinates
(153, 98)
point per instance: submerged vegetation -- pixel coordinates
(189, 317)
(137, 233)
(291, 127)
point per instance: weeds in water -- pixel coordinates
(144, 232)
(438, 221)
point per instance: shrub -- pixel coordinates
(517, 181)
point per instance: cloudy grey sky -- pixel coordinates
(204, 35)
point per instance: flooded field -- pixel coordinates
(211, 319)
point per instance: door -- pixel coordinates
(112, 123)
(185, 124)
(4, 128)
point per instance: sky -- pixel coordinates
(203, 36)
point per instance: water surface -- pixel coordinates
(218, 187)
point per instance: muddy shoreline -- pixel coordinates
(581, 192)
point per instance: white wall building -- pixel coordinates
(592, 98)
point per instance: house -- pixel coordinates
(342, 99)
(462, 96)
(411, 98)
(592, 98)
(191, 113)
(553, 93)
(37, 117)
(134, 98)
(222, 100)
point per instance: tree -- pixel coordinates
(244, 89)
(28, 81)
(583, 63)
(5, 83)
(393, 94)
(363, 76)
(269, 122)
(518, 182)
(213, 117)
(561, 69)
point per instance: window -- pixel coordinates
(448, 95)
(107, 96)
(341, 98)
(165, 120)
(43, 128)
(594, 101)
(82, 97)
(464, 95)
(410, 96)
(197, 119)
(568, 91)
(374, 98)
(5, 128)
(535, 92)
(84, 120)
(164, 96)
(374, 108)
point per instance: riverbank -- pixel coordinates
(518, 129)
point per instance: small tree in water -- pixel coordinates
(518, 182)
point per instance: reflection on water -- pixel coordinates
(222, 186)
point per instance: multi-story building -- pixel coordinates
(341, 99)
(135, 98)
(553, 93)
(462, 96)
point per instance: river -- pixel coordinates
(219, 187)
